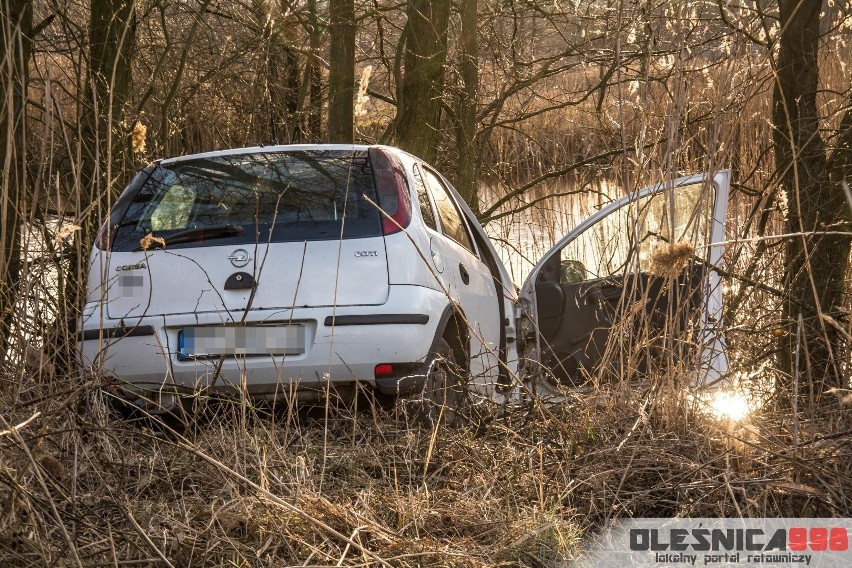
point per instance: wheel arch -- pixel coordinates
(452, 328)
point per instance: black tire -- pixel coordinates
(177, 415)
(444, 393)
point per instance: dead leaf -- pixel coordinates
(64, 232)
(148, 240)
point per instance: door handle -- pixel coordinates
(464, 274)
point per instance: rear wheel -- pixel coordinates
(160, 411)
(444, 391)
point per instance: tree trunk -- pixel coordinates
(418, 113)
(105, 143)
(16, 21)
(290, 99)
(817, 263)
(341, 74)
(312, 125)
(467, 110)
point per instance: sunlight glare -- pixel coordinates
(729, 405)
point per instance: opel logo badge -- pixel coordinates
(239, 258)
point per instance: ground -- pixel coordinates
(81, 484)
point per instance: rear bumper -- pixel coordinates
(342, 345)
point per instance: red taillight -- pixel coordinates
(105, 237)
(384, 370)
(392, 190)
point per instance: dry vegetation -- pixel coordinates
(81, 484)
(342, 485)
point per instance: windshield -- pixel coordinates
(271, 196)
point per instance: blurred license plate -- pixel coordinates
(209, 341)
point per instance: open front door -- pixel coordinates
(632, 287)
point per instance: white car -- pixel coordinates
(291, 269)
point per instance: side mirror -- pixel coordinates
(571, 272)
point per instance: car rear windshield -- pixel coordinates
(258, 197)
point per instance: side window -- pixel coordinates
(627, 238)
(451, 218)
(423, 199)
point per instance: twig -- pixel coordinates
(14, 429)
(126, 510)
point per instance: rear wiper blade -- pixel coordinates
(203, 233)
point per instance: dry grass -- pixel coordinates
(81, 486)
(670, 260)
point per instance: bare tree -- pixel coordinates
(420, 92)
(112, 30)
(312, 82)
(16, 19)
(466, 138)
(105, 145)
(341, 76)
(812, 172)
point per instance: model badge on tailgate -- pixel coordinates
(123, 267)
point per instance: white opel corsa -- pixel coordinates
(292, 269)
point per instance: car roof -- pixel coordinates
(271, 148)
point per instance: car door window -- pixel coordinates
(613, 274)
(423, 198)
(627, 238)
(451, 218)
